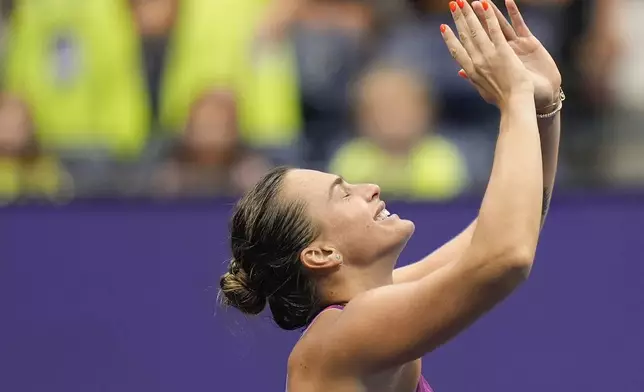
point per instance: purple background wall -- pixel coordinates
(120, 297)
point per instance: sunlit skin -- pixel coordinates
(375, 343)
(354, 253)
(351, 236)
(391, 318)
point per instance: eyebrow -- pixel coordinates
(338, 180)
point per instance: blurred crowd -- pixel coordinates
(197, 98)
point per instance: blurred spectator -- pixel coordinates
(209, 159)
(399, 147)
(591, 44)
(25, 170)
(214, 45)
(623, 142)
(97, 98)
(332, 41)
(110, 90)
(76, 80)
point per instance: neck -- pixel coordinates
(352, 281)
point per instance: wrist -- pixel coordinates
(554, 108)
(550, 104)
(523, 96)
(545, 121)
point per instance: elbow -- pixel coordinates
(518, 261)
(511, 264)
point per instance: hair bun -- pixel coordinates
(239, 292)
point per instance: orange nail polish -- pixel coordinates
(452, 6)
(462, 74)
(443, 28)
(461, 3)
(486, 5)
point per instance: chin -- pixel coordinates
(407, 228)
(402, 231)
(398, 237)
(401, 225)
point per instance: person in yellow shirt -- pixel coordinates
(73, 66)
(214, 45)
(398, 146)
(101, 74)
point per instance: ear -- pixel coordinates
(321, 257)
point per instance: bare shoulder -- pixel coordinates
(308, 356)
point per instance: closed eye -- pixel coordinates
(346, 192)
(340, 184)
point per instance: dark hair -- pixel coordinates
(268, 232)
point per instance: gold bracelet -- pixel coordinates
(559, 106)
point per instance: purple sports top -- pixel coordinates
(423, 385)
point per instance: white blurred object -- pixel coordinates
(624, 140)
(628, 78)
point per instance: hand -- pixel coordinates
(492, 65)
(541, 67)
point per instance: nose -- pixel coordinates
(373, 191)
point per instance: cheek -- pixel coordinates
(350, 223)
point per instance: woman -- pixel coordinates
(322, 252)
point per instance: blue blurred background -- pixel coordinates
(127, 128)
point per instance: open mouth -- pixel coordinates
(382, 213)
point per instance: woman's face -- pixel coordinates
(349, 217)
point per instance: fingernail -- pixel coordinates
(462, 74)
(461, 3)
(452, 6)
(486, 5)
(443, 28)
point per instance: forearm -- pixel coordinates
(549, 131)
(509, 218)
(454, 250)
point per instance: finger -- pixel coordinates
(520, 27)
(494, 28)
(463, 74)
(478, 10)
(456, 49)
(478, 34)
(506, 27)
(463, 29)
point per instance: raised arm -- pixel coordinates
(428, 312)
(549, 132)
(547, 81)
